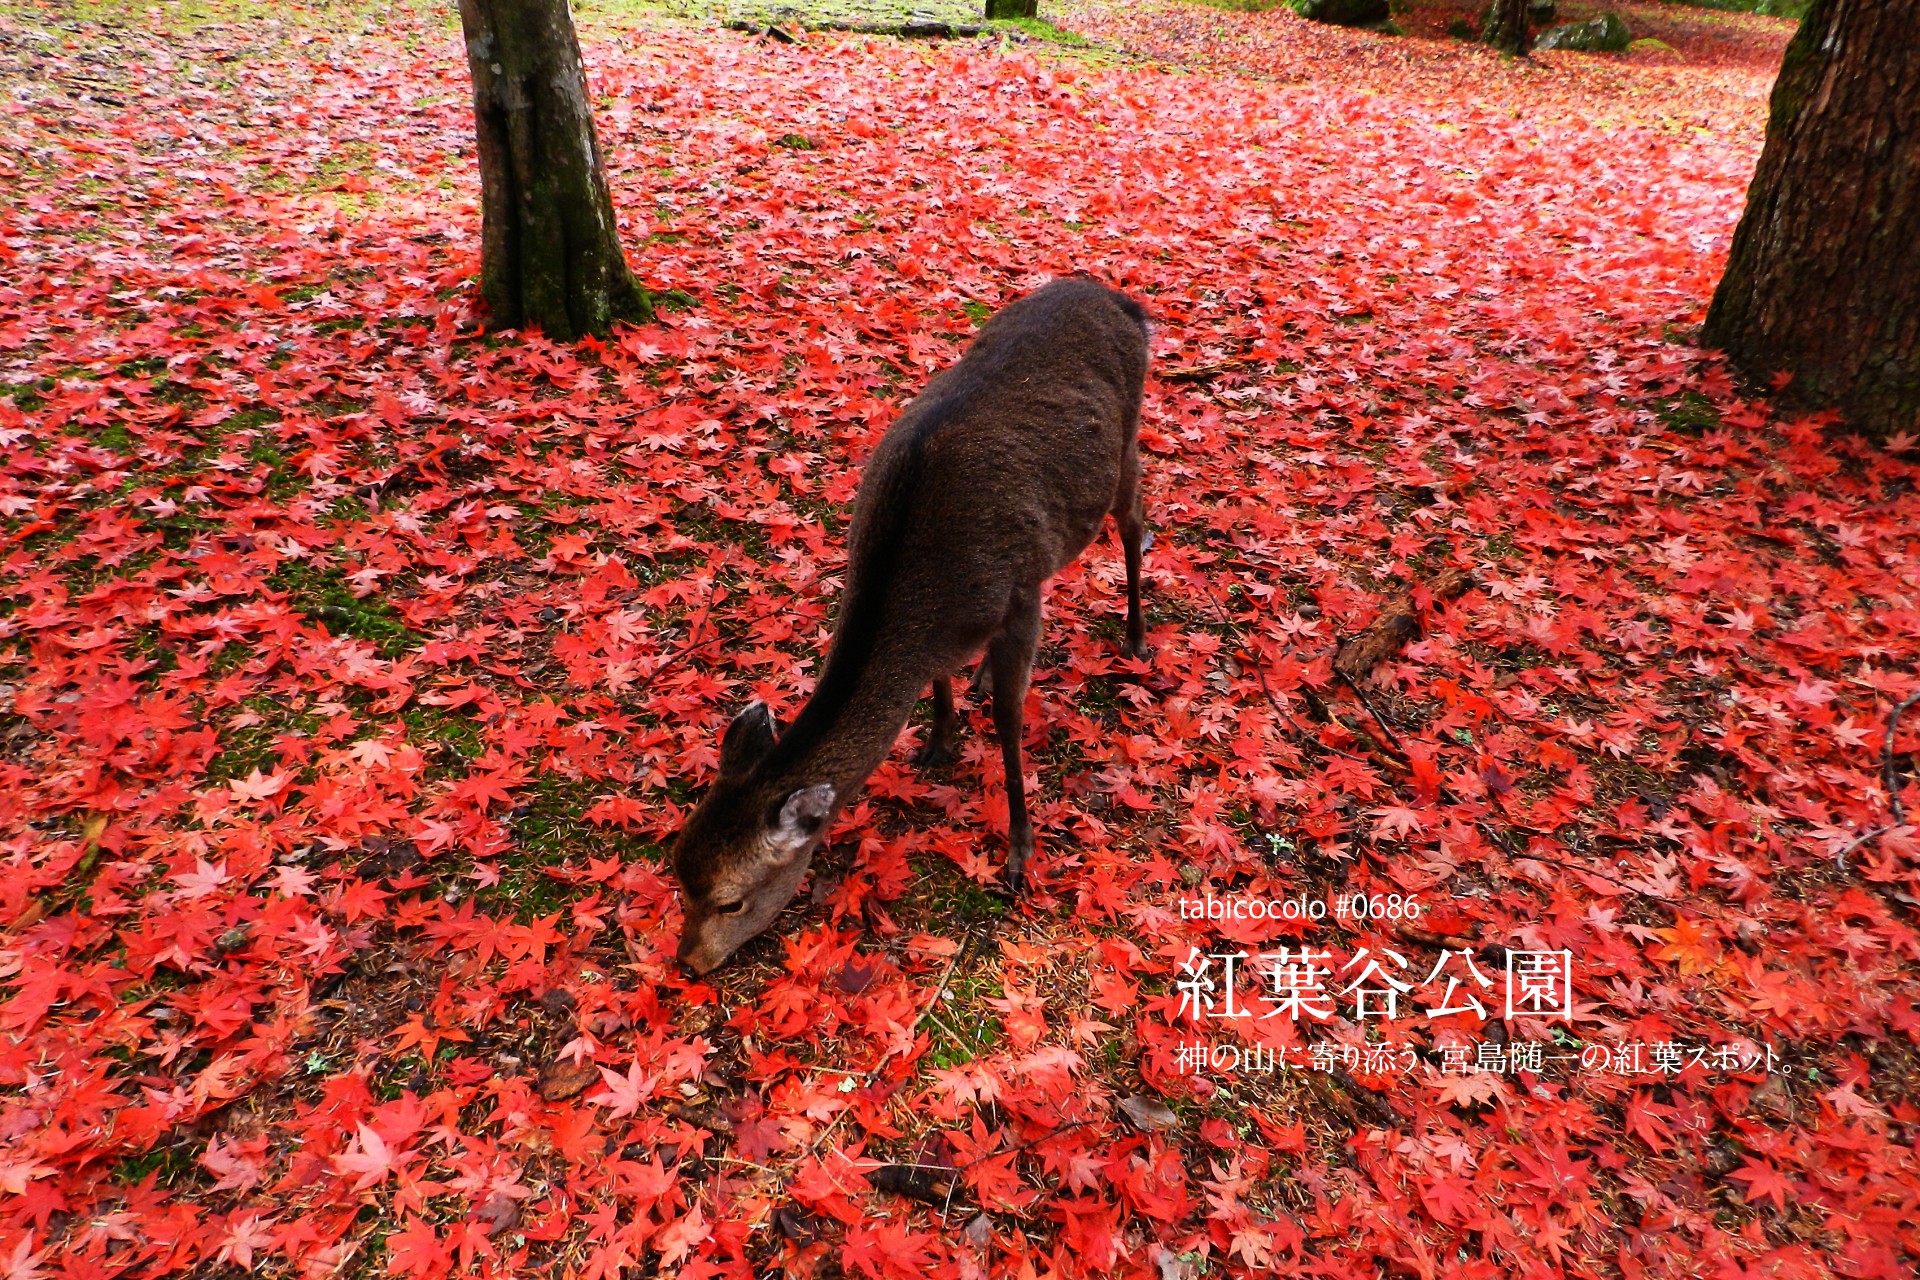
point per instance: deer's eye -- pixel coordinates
(729, 908)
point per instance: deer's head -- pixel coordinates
(746, 845)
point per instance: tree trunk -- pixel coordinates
(1506, 27)
(1013, 8)
(1823, 281)
(549, 247)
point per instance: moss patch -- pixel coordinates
(325, 596)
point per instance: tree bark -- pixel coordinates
(1823, 280)
(1013, 8)
(1506, 27)
(549, 246)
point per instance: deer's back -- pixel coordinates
(1001, 471)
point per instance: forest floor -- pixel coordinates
(360, 663)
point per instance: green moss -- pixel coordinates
(28, 397)
(960, 1029)
(1799, 73)
(547, 826)
(182, 16)
(1500, 547)
(1690, 414)
(430, 728)
(628, 13)
(324, 595)
(390, 1084)
(143, 366)
(1108, 1054)
(115, 437)
(549, 830)
(167, 1165)
(956, 899)
(1041, 29)
(245, 749)
(703, 526)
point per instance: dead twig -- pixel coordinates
(1548, 860)
(1886, 760)
(693, 644)
(1028, 1145)
(939, 992)
(938, 1183)
(1889, 779)
(1351, 1099)
(1200, 372)
(1315, 706)
(1067, 1127)
(1393, 740)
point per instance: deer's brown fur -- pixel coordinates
(992, 480)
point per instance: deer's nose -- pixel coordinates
(685, 956)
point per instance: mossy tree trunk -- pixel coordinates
(1823, 281)
(1506, 27)
(549, 247)
(1013, 8)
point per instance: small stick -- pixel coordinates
(1889, 779)
(1028, 1145)
(1312, 699)
(1015, 1150)
(693, 630)
(814, 1146)
(1573, 867)
(1886, 760)
(1393, 740)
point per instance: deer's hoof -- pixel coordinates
(933, 756)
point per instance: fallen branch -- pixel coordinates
(1202, 372)
(926, 1183)
(1398, 623)
(1351, 1099)
(922, 28)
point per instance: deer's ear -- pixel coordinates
(802, 818)
(748, 738)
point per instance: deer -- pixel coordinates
(991, 481)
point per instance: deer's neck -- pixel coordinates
(850, 723)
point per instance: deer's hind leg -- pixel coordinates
(1130, 516)
(938, 750)
(1010, 663)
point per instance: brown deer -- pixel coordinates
(992, 480)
